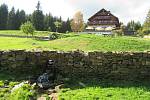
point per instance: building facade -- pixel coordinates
(103, 21)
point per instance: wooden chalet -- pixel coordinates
(102, 21)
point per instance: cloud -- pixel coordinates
(126, 10)
(55, 7)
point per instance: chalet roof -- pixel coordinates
(103, 17)
(102, 12)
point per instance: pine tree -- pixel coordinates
(48, 22)
(38, 18)
(3, 16)
(11, 19)
(17, 22)
(22, 17)
(68, 25)
(29, 17)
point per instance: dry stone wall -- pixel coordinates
(101, 65)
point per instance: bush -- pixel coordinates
(117, 33)
(140, 32)
(143, 31)
(24, 93)
(49, 29)
(1, 83)
(27, 28)
(53, 36)
(146, 31)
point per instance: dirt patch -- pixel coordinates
(54, 96)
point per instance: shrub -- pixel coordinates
(27, 28)
(49, 29)
(117, 33)
(140, 32)
(1, 83)
(146, 31)
(12, 84)
(53, 36)
(24, 93)
(67, 32)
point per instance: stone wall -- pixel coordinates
(102, 65)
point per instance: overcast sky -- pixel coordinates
(125, 10)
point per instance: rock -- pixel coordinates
(43, 81)
(18, 86)
(50, 91)
(58, 87)
(82, 84)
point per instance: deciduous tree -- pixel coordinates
(146, 26)
(27, 28)
(77, 23)
(57, 25)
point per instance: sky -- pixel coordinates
(125, 10)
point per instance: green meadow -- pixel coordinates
(72, 41)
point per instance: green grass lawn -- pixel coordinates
(70, 42)
(107, 91)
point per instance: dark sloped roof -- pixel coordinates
(102, 12)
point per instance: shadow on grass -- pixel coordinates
(80, 84)
(19, 77)
(60, 37)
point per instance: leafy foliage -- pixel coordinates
(133, 26)
(117, 33)
(24, 93)
(57, 25)
(145, 30)
(27, 28)
(77, 23)
(53, 36)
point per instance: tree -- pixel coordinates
(57, 25)
(77, 23)
(133, 26)
(3, 16)
(21, 18)
(29, 17)
(17, 22)
(138, 26)
(27, 28)
(68, 26)
(11, 19)
(48, 22)
(146, 26)
(38, 18)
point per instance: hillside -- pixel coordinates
(84, 42)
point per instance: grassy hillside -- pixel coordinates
(100, 43)
(70, 42)
(106, 93)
